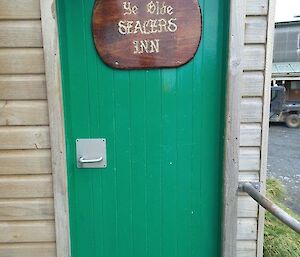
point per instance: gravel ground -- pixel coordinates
(284, 161)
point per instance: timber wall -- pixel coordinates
(26, 194)
(254, 121)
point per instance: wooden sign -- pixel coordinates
(141, 34)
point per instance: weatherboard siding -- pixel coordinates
(253, 118)
(26, 191)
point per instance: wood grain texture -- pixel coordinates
(253, 84)
(27, 186)
(26, 203)
(27, 231)
(250, 134)
(247, 229)
(20, 33)
(33, 137)
(56, 117)
(247, 207)
(26, 162)
(232, 136)
(257, 7)
(22, 87)
(265, 122)
(19, 9)
(251, 110)
(28, 250)
(254, 57)
(250, 158)
(21, 61)
(256, 30)
(26, 209)
(246, 248)
(23, 113)
(175, 34)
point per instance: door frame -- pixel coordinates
(57, 135)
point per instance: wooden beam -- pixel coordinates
(21, 61)
(24, 137)
(26, 209)
(249, 158)
(19, 9)
(265, 123)
(26, 231)
(23, 87)
(26, 186)
(25, 162)
(246, 248)
(247, 229)
(57, 134)
(29, 249)
(257, 7)
(251, 109)
(253, 83)
(232, 141)
(22, 33)
(20, 113)
(254, 57)
(256, 30)
(250, 134)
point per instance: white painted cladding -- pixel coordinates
(254, 121)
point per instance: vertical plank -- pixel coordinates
(231, 162)
(57, 133)
(265, 122)
(139, 170)
(123, 162)
(154, 168)
(169, 166)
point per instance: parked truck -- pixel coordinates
(283, 110)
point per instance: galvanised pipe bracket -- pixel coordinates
(279, 213)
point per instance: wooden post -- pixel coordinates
(57, 134)
(232, 135)
(265, 123)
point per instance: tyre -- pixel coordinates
(293, 121)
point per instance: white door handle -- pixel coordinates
(82, 160)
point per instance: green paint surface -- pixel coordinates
(161, 194)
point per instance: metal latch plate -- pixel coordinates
(91, 153)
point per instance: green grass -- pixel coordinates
(280, 240)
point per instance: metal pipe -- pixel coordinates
(270, 206)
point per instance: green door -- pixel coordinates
(161, 193)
